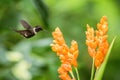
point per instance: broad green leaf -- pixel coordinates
(100, 71)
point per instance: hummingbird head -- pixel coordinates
(38, 28)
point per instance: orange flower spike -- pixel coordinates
(101, 37)
(59, 46)
(74, 51)
(98, 44)
(91, 42)
(68, 57)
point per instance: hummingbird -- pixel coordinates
(30, 31)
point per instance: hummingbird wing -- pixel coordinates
(25, 24)
(25, 33)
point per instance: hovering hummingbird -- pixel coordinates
(29, 32)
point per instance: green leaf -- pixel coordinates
(101, 69)
(43, 9)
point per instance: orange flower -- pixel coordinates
(68, 57)
(74, 50)
(64, 74)
(91, 41)
(102, 41)
(98, 44)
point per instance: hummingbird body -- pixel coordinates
(29, 32)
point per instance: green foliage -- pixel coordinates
(33, 57)
(42, 8)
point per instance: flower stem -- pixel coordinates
(92, 72)
(71, 73)
(78, 77)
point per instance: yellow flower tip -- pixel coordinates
(57, 29)
(51, 44)
(74, 46)
(88, 27)
(74, 42)
(58, 37)
(57, 32)
(103, 20)
(102, 26)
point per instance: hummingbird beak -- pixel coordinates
(44, 30)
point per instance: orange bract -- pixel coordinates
(97, 41)
(74, 50)
(67, 56)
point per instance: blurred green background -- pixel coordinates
(33, 59)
